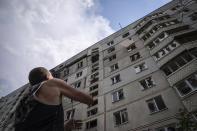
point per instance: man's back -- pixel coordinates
(35, 115)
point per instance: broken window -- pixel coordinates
(166, 50)
(70, 114)
(92, 112)
(118, 95)
(156, 104)
(95, 102)
(147, 83)
(188, 85)
(93, 94)
(176, 63)
(94, 80)
(80, 64)
(94, 87)
(79, 74)
(111, 49)
(110, 43)
(91, 124)
(114, 67)
(66, 72)
(193, 16)
(131, 47)
(95, 67)
(115, 79)
(112, 57)
(171, 127)
(95, 58)
(121, 117)
(125, 35)
(188, 37)
(77, 84)
(135, 56)
(141, 67)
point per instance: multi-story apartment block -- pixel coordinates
(139, 77)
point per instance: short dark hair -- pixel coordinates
(37, 75)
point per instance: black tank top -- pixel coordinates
(33, 115)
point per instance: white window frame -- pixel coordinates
(137, 68)
(79, 74)
(121, 113)
(117, 93)
(114, 67)
(72, 113)
(152, 100)
(189, 85)
(146, 81)
(114, 79)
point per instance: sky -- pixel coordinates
(48, 32)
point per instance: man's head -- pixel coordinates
(38, 75)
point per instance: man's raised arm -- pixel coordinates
(72, 93)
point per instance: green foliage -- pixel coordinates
(186, 121)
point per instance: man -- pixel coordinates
(41, 109)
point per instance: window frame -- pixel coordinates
(117, 93)
(121, 113)
(114, 67)
(144, 64)
(146, 81)
(114, 81)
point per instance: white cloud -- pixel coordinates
(44, 33)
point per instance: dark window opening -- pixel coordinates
(92, 112)
(94, 87)
(94, 80)
(112, 57)
(110, 43)
(135, 56)
(188, 37)
(95, 102)
(95, 58)
(91, 124)
(111, 49)
(178, 29)
(93, 94)
(125, 35)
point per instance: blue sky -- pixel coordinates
(46, 33)
(127, 11)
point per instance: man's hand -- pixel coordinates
(72, 124)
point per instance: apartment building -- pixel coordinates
(139, 77)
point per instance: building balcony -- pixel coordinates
(160, 31)
(183, 72)
(168, 40)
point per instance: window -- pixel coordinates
(118, 95)
(95, 58)
(93, 94)
(80, 64)
(112, 57)
(171, 127)
(193, 16)
(131, 47)
(94, 87)
(77, 84)
(70, 114)
(79, 74)
(156, 104)
(94, 80)
(140, 68)
(111, 49)
(95, 102)
(147, 83)
(188, 85)
(166, 50)
(110, 43)
(195, 115)
(94, 75)
(135, 56)
(177, 62)
(91, 124)
(125, 35)
(115, 79)
(92, 112)
(121, 117)
(66, 72)
(114, 67)
(95, 67)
